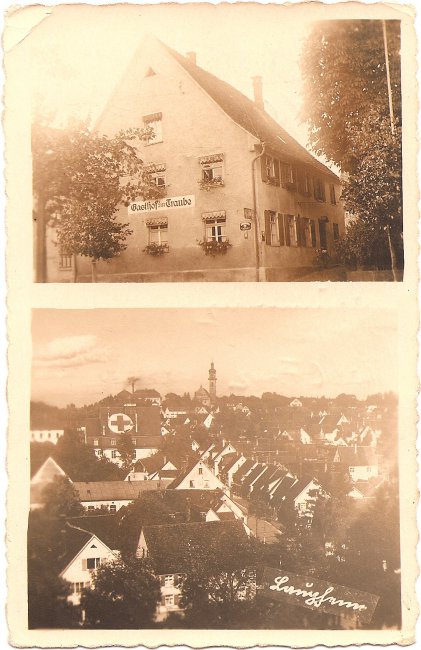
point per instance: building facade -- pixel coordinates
(241, 199)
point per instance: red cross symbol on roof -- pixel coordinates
(120, 422)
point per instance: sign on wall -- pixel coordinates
(167, 203)
(245, 225)
(318, 595)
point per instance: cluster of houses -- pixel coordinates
(251, 486)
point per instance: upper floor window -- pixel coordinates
(93, 563)
(212, 170)
(169, 581)
(96, 442)
(154, 122)
(215, 223)
(332, 194)
(319, 190)
(291, 229)
(287, 174)
(157, 174)
(335, 231)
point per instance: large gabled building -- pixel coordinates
(241, 199)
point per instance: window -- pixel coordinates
(157, 174)
(319, 190)
(169, 601)
(65, 261)
(200, 470)
(96, 442)
(212, 170)
(291, 227)
(114, 453)
(113, 507)
(169, 581)
(78, 586)
(113, 442)
(305, 233)
(191, 484)
(313, 233)
(91, 508)
(287, 175)
(332, 194)
(335, 231)
(272, 228)
(154, 122)
(158, 234)
(93, 563)
(215, 223)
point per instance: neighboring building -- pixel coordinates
(45, 475)
(85, 552)
(231, 178)
(171, 567)
(149, 395)
(143, 423)
(197, 476)
(46, 435)
(113, 495)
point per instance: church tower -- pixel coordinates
(212, 383)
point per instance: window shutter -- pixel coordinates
(177, 599)
(162, 580)
(281, 229)
(84, 565)
(268, 238)
(313, 233)
(287, 233)
(263, 168)
(162, 600)
(298, 229)
(276, 170)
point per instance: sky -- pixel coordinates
(81, 356)
(78, 53)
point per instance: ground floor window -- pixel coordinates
(158, 234)
(215, 226)
(169, 601)
(65, 261)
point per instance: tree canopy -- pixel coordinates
(354, 117)
(80, 179)
(124, 595)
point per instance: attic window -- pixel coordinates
(93, 546)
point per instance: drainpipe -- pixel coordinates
(255, 215)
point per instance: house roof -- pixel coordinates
(102, 526)
(116, 490)
(76, 538)
(242, 471)
(169, 546)
(244, 112)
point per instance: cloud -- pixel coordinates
(70, 352)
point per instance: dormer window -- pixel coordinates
(212, 170)
(154, 122)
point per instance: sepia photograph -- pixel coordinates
(248, 144)
(207, 480)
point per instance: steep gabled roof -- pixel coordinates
(248, 115)
(76, 539)
(102, 526)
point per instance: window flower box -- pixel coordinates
(213, 247)
(156, 249)
(208, 183)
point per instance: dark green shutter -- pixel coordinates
(281, 229)
(287, 235)
(299, 231)
(268, 238)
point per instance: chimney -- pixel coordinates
(191, 57)
(258, 91)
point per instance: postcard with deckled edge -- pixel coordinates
(242, 459)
